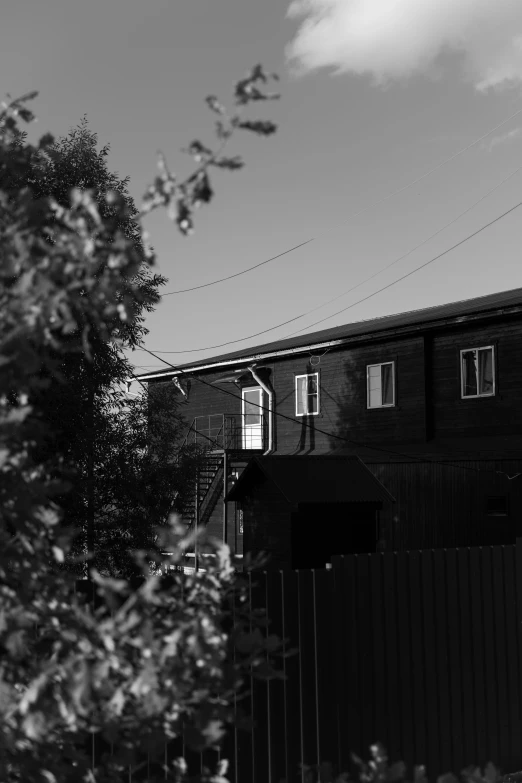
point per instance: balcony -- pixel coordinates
(227, 432)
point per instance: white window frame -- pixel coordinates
(243, 417)
(307, 375)
(387, 404)
(476, 396)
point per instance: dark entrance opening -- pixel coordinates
(320, 530)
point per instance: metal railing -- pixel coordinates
(225, 431)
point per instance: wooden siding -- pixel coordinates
(499, 415)
(342, 393)
(429, 415)
(205, 399)
(436, 505)
(441, 506)
(267, 523)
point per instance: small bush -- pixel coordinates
(377, 770)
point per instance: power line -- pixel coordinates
(398, 280)
(389, 285)
(332, 435)
(237, 274)
(355, 214)
(405, 255)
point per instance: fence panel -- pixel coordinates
(261, 734)
(308, 671)
(469, 722)
(430, 657)
(513, 654)
(328, 702)
(501, 645)
(405, 659)
(293, 694)
(488, 627)
(455, 716)
(424, 658)
(393, 652)
(276, 688)
(421, 651)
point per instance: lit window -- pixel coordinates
(380, 385)
(307, 394)
(477, 372)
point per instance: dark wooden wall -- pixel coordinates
(436, 505)
(429, 412)
(500, 415)
(267, 521)
(441, 506)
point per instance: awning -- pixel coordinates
(313, 479)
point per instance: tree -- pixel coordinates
(72, 285)
(141, 474)
(79, 404)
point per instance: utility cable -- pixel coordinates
(408, 274)
(237, 274)
(355, 214)
(389, 285)
(330, 434)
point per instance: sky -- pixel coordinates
(374, 95)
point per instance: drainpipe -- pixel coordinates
(270, 394)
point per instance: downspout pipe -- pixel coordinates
(270, 395)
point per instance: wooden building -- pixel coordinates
(430, 401)
(301, 512)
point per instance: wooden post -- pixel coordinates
(225, 484)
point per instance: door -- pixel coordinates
(252, 416)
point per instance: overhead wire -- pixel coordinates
(408, 274)
(359, 301)
(355, 214)
(238, 274)
(330, 434)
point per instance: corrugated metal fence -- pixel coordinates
(418, 650)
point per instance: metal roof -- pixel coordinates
(315, 479)
(427, 315)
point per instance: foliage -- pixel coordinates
(377, 770)
(149, 662)
(181, 199)
(143, 477)
(91, 423)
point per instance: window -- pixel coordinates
(477, 372)
(307, 394)
(381, 385)
(497, 507)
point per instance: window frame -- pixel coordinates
(394, 391)
(493, 365)
(307, 413)
(505, 513)
(260, 410)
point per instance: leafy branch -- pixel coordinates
(180, 199)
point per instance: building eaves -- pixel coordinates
(504, 302)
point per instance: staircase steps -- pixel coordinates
(209, 490)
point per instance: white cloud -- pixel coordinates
(503, 138)
(395, 39)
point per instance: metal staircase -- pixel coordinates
(207, 489)
(217, 435)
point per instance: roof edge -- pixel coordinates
(230, 496)
(488, 312)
